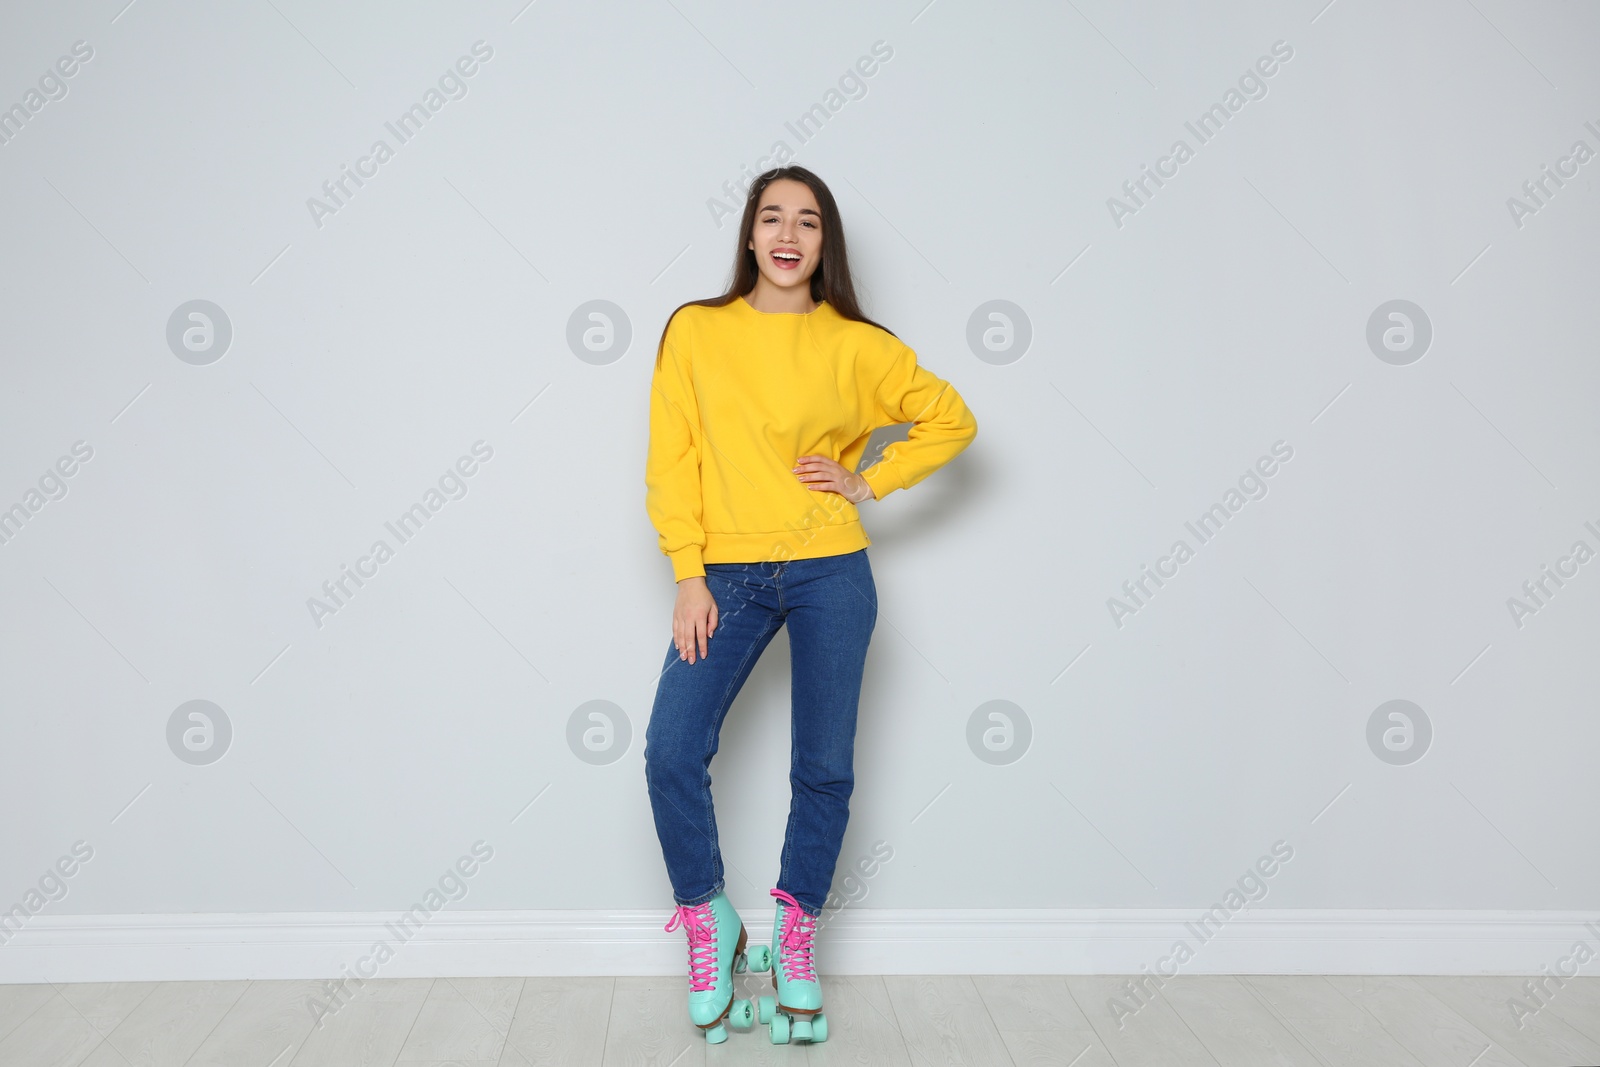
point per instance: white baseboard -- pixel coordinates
(145, 948)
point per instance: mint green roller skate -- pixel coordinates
(715, 955)
(796, 1013)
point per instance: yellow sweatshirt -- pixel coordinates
(742, 394)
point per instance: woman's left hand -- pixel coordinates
(820, 472)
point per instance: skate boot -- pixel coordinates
(796, 1012)
(716, 952)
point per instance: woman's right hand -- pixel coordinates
(694, 618)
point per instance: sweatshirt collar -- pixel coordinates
(751, 309)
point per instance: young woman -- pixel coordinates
(761, 405)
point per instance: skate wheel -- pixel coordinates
(717, 1035)
(819, 1028)
(741, 1016)
(779, 1028)
(765, 1006)
(760, 958)
(801, 1030)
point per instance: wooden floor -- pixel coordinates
(510, 1022)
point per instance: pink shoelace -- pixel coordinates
(798, 930)
(701, 925)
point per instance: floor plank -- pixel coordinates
(1429, 1029)
(462, 1019)
(862, 1031)
(368, 1030)
(943, 1020)
(650, 1025)
(104, 1005)
(1040, 1022)
(1578, 1002)
(271, 1020)
(165, 1028)
(1540, 1040)
(559, 1020)
(56, 1034)
(1233, 1024)
(1153, 1035)
(17, 1002)
(1342, 1033)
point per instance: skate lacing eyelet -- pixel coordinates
(797, 935)
(700, 922)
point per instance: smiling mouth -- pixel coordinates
(787, 261)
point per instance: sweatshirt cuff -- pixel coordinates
(687, 563)
(882, 479)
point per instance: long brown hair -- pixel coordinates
(830, 281)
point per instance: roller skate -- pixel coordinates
(796, 1012)
(715, 955)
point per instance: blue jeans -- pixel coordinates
(830, 605)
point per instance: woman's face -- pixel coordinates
(788, 224)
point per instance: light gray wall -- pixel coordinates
(1168, 351)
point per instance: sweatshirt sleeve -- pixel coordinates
(672, 470)
(943, 424)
